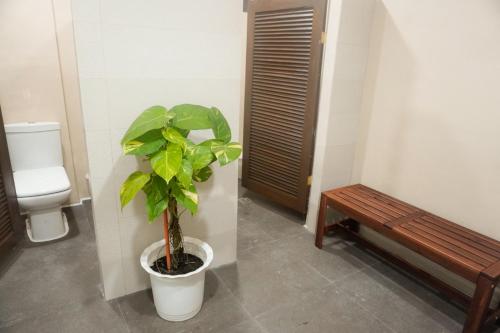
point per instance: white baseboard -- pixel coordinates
(77, 203)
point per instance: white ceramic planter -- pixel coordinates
(178, 297)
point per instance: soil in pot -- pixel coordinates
(187, 263)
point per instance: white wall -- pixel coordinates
(344, 63)
(431, 109)
(131, 55)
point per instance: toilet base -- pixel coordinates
(46, 225)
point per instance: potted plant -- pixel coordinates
(176, 264)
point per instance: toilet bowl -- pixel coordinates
(41, 182)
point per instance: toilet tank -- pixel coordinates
(34, 145)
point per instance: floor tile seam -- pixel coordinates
(270, 241)
(384, 263)
(354, 300)
(251, 317)
(62, 309)
(356, 271)
(330, 282)
(412, 295)
(265, 242)
(122, 315)
(305, 294)
(394, 285)
(366, 310)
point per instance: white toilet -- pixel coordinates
(42, 184)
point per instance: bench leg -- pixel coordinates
(479, 305)
(320, 225)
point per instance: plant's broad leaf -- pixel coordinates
(186, 197)
(220, 127)
(202, 175)
(211, 143)
(153, 118)
(146, 144)
(184, 132)
(227, 153)
(201, 156)
(172, 135)
(167, 162)
(156, 197)
(191, 117)
(133, 184)
(185, 173)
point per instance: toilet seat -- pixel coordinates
(41, 182)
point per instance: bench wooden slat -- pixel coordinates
(455, 251)
(392, 211)
(356, 202)
(382, 197)
(359, 212)
(464, 240)
(462, 266)
(472, 235)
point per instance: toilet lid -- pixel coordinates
(35, 182)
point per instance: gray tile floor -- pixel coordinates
(281, 283)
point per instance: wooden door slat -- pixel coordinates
(283, 68)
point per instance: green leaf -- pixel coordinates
(167, 162)
(191, 117)
(186, 197)
(184, 132)
(211, 143)
(156, 197)
(201, 156)
(172, 135)
(146, 144)
(227, 153)
(133, 184)
(185, 173)
(153, 118)
(202, 175)
(220, 127)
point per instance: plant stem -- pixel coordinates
(167, 241)
(176, 234)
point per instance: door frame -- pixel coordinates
(299, 203)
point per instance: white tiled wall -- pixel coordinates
(344, 64)
(131, 55)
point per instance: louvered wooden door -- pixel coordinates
(282, 82)
(8, 201)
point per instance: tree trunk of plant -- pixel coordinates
(166, 236)
(175, 233)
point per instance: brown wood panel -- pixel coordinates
(382, 197)
(448, 250)
(282, 79)
(455, 244)
(371, 200)
(348, 200)
(9, 211)
(467, 233)
(460, 237)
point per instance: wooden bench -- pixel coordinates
(460, 250)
